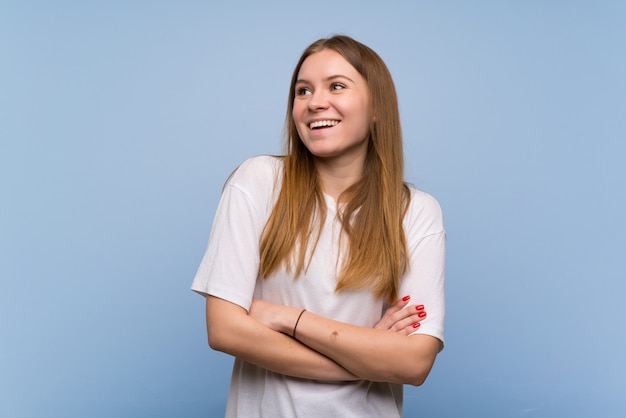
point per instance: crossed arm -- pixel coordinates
(324, 349)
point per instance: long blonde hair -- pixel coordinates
(375, 205)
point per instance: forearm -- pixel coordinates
(233, 331)
(372, 354)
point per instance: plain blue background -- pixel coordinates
(120, 121)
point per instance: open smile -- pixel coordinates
(319, 124)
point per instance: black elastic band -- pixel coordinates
(297, 320)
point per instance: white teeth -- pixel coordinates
(323, 123)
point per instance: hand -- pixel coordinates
(264, 312)
(279, 318)
(401, 317)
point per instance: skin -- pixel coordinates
(328, 88)
(230, 330)
(364, 352)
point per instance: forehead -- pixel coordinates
(326, 63)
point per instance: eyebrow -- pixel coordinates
(329, 78)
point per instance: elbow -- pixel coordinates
(214, 343)
(417, 375)
(418, 379)
(217, 340)
(423, 360)
(223, 324)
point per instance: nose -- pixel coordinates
(318, 100)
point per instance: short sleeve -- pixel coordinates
(425, 278)
(230, 266)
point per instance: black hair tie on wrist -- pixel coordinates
(296, 326)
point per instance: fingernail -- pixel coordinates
(421, 314)
(407, 297)
(419, 307)
(416, 325)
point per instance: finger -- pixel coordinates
(411, 311)
(409, 329)
(388, 319)
(412, 328)
(410, 318)
(417, 317)
(399, 304)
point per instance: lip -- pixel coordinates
(322, 122)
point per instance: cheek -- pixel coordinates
(299, 127)
(296, 112)
(300, 133)
(296, 118)
(366, 121)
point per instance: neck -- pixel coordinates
(336, 176)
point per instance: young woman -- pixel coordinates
(324, 273)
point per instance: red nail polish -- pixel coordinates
(416, 325)
(419, 307)
(407, 297)
(421, 314)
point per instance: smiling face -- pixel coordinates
(331, 108)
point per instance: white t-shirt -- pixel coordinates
(230, 270)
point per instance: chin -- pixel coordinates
(324, 153)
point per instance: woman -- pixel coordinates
(309, 251)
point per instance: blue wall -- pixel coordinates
(119, 122)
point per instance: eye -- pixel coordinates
(301, 91)
(337, 86)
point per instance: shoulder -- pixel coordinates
(424, 213)
(256, 171)
(258, 179)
